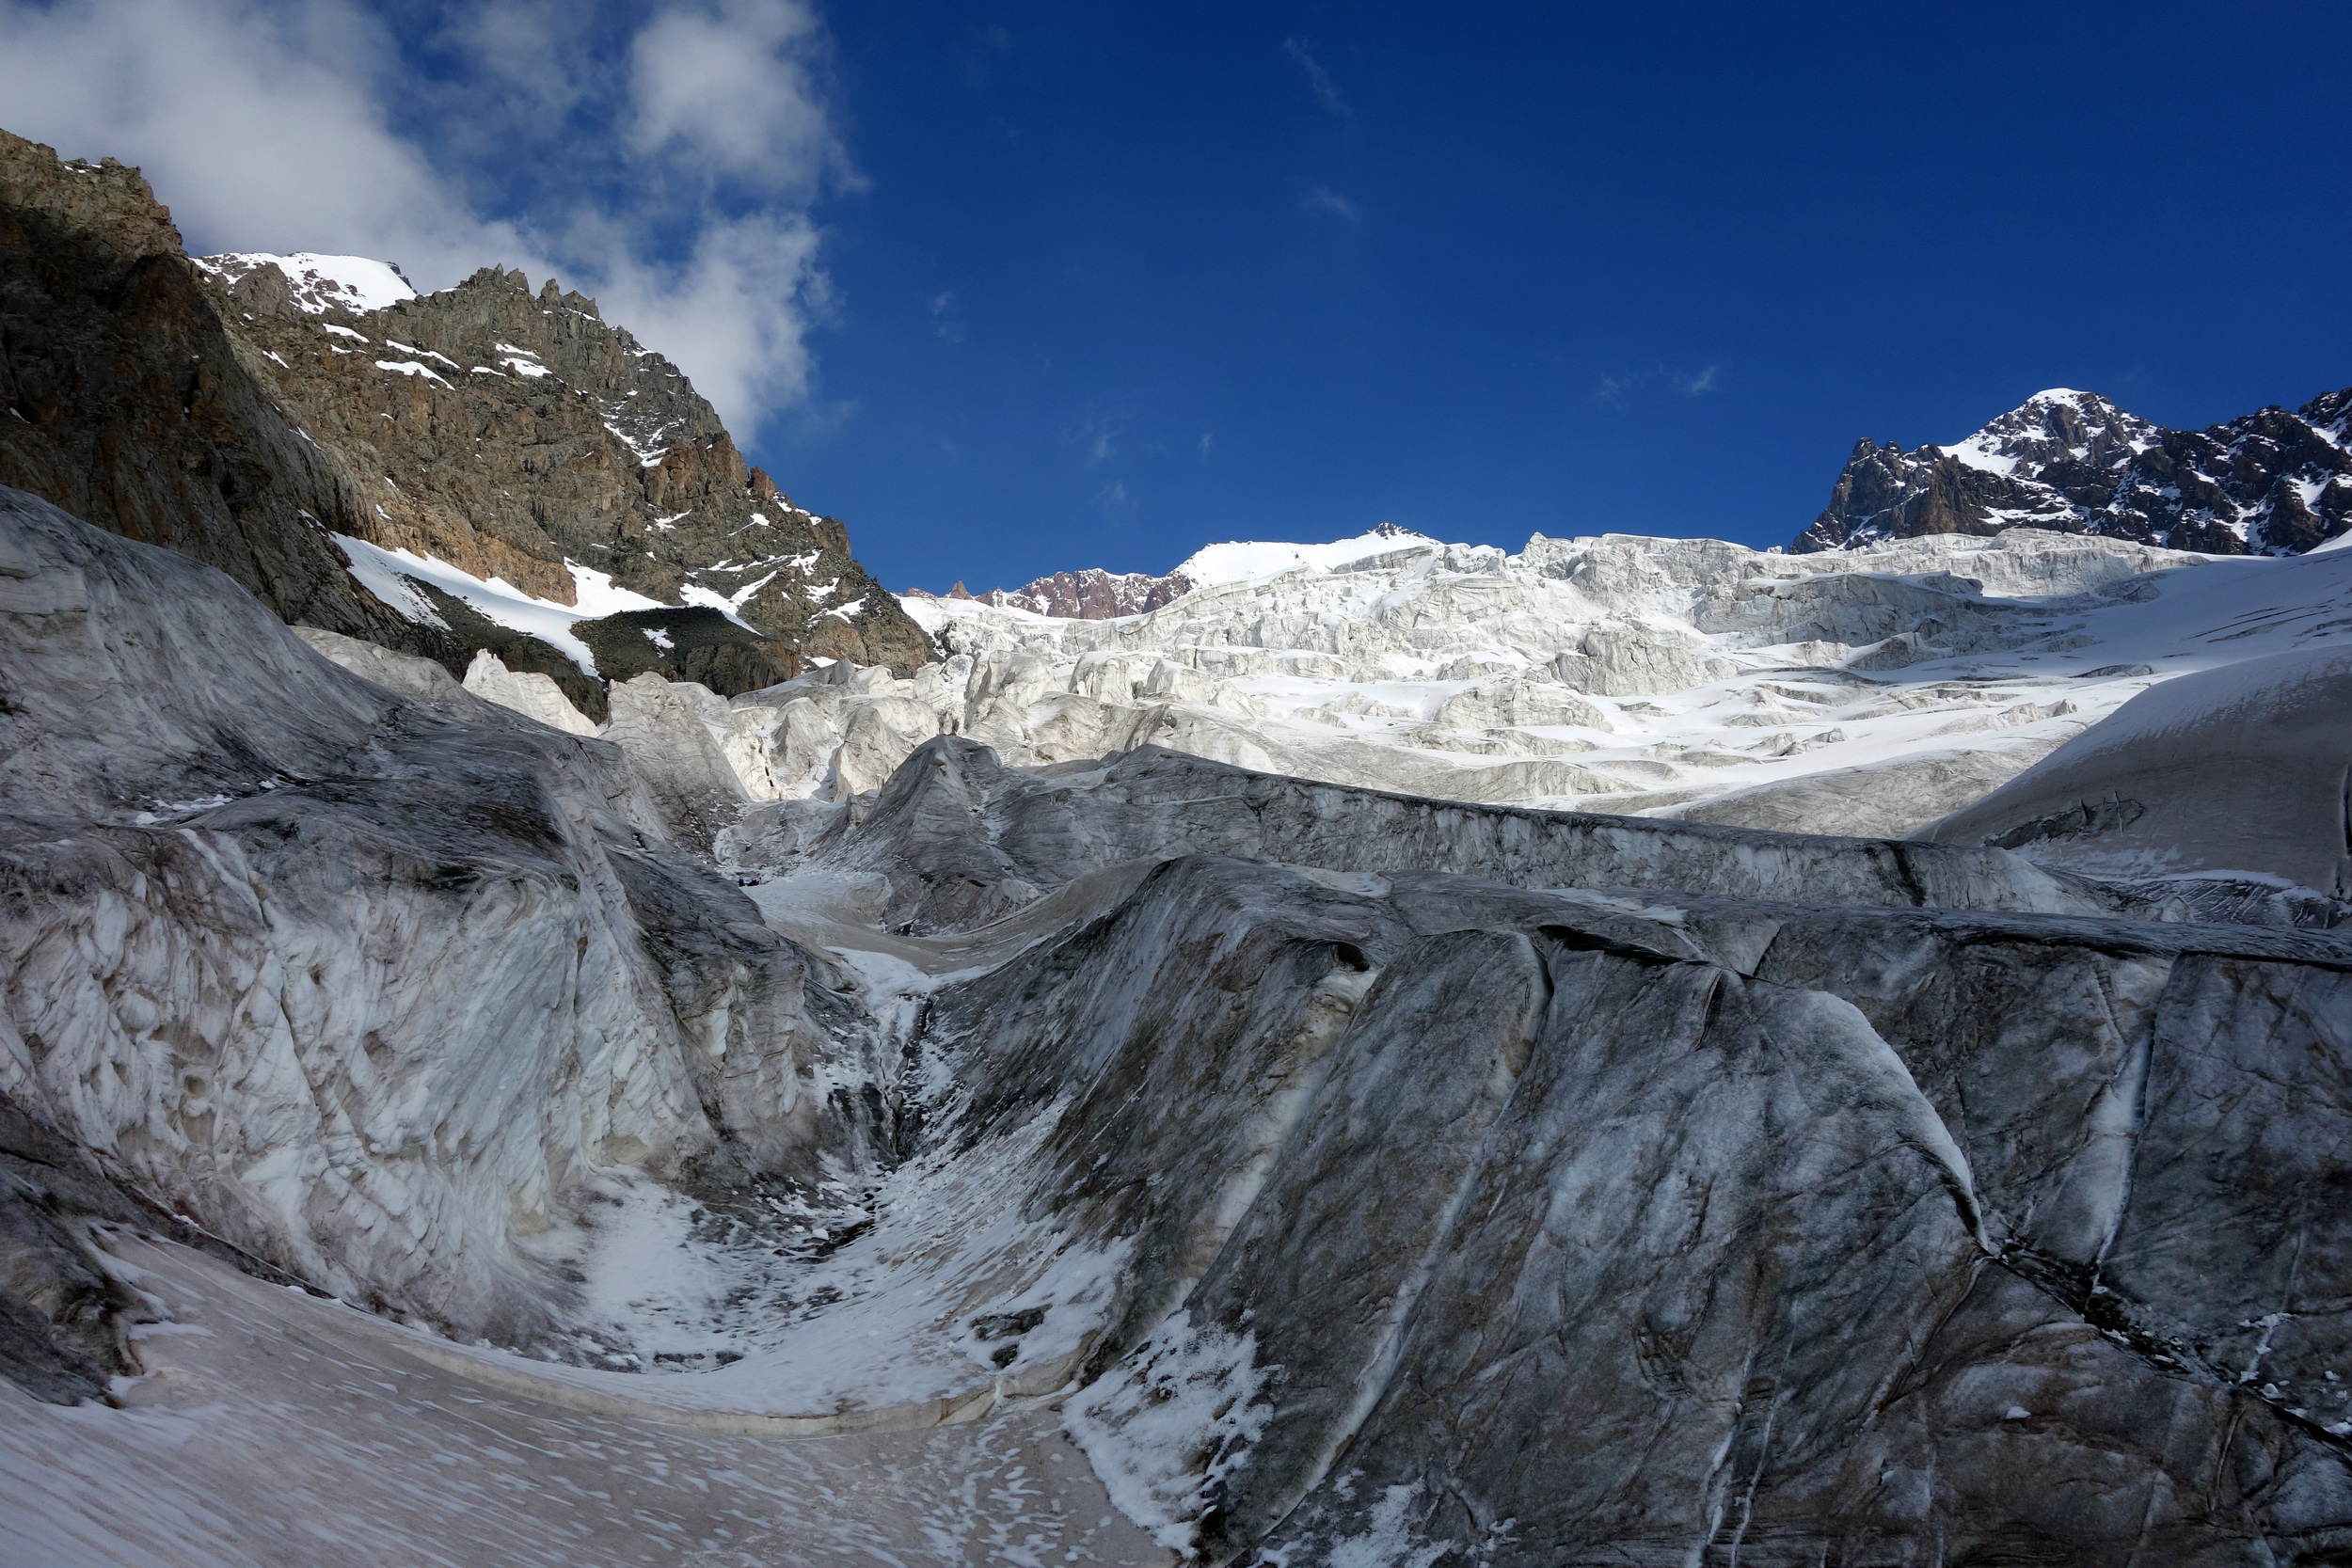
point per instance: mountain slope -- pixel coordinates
(2269, 483)
(254, 411)
(1864, 692)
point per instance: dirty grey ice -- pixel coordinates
(439, 1128)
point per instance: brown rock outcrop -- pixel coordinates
(199, 404)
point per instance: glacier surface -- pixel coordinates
(859, 1121)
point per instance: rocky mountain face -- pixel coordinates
(127, 401)
(1090, 595)
(226, 409)
(2269, 483)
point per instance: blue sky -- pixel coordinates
(1019, 288)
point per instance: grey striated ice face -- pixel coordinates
(1127, 1159)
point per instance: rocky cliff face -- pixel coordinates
(245, 416)
(2269, 483)
(1090, 595)
(129, 403)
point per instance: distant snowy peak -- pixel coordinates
(2269, 483)
(320, 283)
(2056, 429)
(1094, 594)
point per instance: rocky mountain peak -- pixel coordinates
(1089, 593)
(2271, 482)
(312, 406)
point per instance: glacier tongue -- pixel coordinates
(1021, 1152)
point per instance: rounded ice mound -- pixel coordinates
(2243, 769)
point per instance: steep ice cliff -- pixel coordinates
(368, 986)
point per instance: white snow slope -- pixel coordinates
(321, 283)
(1866, 691)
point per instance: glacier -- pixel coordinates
(1155, 1090)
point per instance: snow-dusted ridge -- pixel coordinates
(321, 283)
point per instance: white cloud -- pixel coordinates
(735, 315)
(272, 125)
(1689, 383)
(944, 321)
(1326, 91)
(526, 46)
(261, 128)
(1321, 198)
(733, 87)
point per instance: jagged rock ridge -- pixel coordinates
(512, 434)
(2269, 483)
(1088, 594)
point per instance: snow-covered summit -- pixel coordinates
(1091, 593)
(321, 283)
(2071, 461)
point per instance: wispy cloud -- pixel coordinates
(1208, 443)
(667, 163)
(1323, 198)
(1112, 497)
(1099, 434)
(943, 319)
(1689, 384)
(1326, 91)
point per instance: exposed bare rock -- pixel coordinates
(125, 398)
(2271, 482)
(219, 409)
